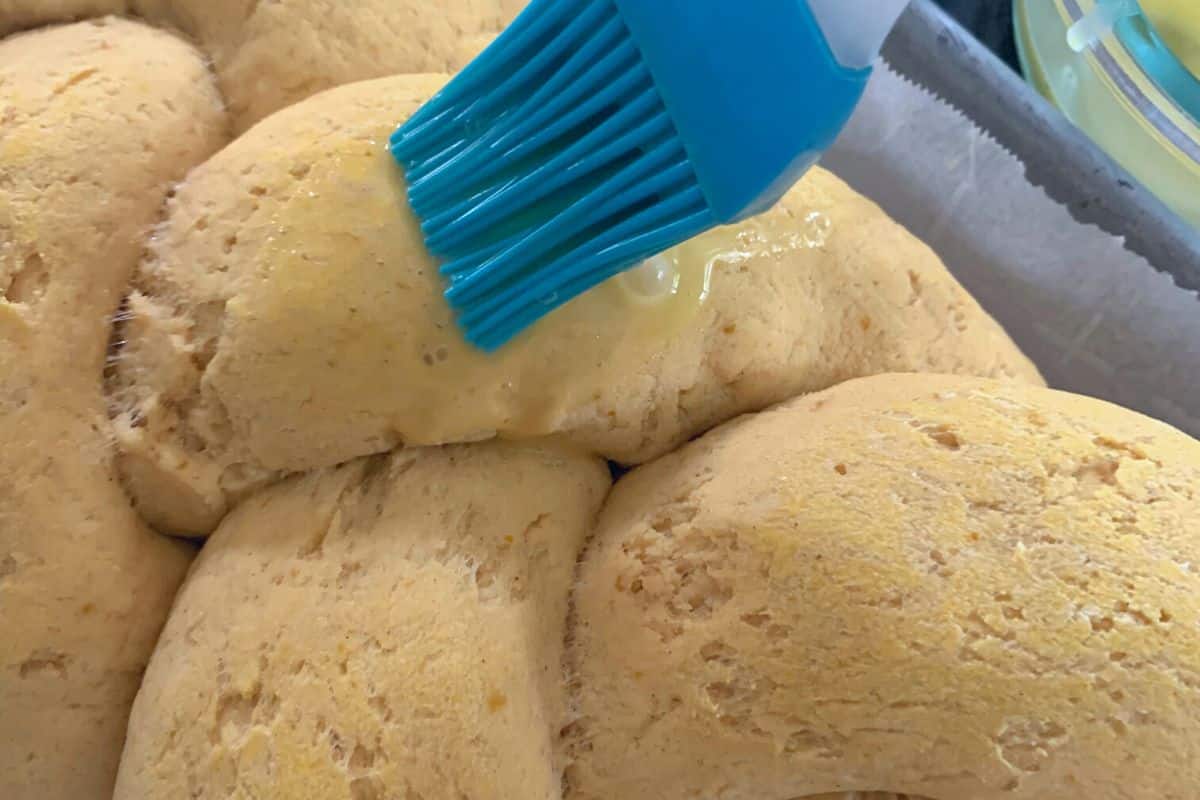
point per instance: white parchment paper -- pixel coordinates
(1096, 318)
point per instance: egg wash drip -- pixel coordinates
(661, 277)
(344, 267)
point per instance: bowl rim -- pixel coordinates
(1117, 62)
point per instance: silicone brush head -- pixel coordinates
(595, 133)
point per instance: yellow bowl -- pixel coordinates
(1120, 71)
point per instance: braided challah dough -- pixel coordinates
(97, 119)
(947, 586)
(967, 588)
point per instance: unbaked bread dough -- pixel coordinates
(96, 120)
(388, 629)
(271, 55)
(289, 318)
(939, 585)
(944, 585)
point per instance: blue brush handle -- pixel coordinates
(760, 119)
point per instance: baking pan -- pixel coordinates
(931, 49)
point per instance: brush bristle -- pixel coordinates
(546, 167)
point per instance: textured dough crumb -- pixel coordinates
(97, 120)
(940, 585)
(390, 628)
(270, 55)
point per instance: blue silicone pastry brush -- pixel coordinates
(593, 134)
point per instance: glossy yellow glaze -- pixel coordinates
(327, 242)
(289, 317)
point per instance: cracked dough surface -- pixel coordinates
(84, 584)
(391, 628)
(288, 318)
(268, 55)
(939, 585)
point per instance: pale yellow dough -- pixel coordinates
(268, 55)
(97, 119)
(940, 585)
(289, 318)
(952, 586)
(388, 629)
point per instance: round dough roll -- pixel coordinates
(97, 120)
(391, 628)
(100, 119)
(937, 585)
(271, 55)
(289, 318)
